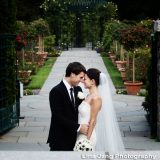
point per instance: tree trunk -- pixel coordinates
(40, 44)
(23, 59)
(116, 47)
(121, 53)
(133, 67)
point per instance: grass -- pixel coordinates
(42, 74)
(113, 72)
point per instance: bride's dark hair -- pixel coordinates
(94, 73)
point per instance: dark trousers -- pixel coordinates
(52, 149)
(60, 149)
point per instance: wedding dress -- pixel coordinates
(106, 136)
(83, 118)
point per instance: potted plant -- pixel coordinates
(133, 38)
(119, 49)
(40, 28)
(123, 73)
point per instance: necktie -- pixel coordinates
(72, 98)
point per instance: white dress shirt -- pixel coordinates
(68, 86)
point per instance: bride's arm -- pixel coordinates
(95, 107)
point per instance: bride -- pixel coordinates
(97, 110)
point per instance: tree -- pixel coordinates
(133, 38)
(106, 13)
(40, 29)
(71, 25)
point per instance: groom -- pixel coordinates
(64, 109)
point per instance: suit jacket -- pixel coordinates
(64, 118)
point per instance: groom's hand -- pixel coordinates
(84, 129)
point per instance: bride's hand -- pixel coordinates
(84, 129)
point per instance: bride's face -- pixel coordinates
(76, 79)
(87, 82)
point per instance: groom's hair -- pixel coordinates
(74, 67)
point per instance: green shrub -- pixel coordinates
(27, 92)
(104, 54)
(49, 43)
(54, 53)
(142, 62)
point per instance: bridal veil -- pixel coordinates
(107, 130)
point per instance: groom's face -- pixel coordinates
(76, 79)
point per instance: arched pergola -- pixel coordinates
(84, 5)
(78, 7)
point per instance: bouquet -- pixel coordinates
(83, 144)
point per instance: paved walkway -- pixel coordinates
(32, 132)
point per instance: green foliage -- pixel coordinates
(39, 27)
(58, 18)
(134, 37)
(21, 35)
(121, 91)
(113, 72)
(99, 47)
(54, 53)
(42, 74)
(104, 54)
(49, 42)
(107, 11)
(27, 92)
(116, 29)
(20, 27)
(143, 57)
(112, 32)
(8, 71)
(147, 23)
(147, 104)
(64, 23)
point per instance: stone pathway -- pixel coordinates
(32, 132)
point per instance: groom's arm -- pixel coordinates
(57, 109)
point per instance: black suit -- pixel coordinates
(64, 118)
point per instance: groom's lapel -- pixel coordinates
(76, 96)
(66, 93)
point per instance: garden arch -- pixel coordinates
(79, 7)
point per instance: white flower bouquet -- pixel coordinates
(83, 144)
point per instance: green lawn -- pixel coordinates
(42, 74)
(113, 72)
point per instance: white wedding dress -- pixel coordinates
(83, 118)
(106, 136)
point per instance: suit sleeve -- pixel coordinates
(57, 110)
